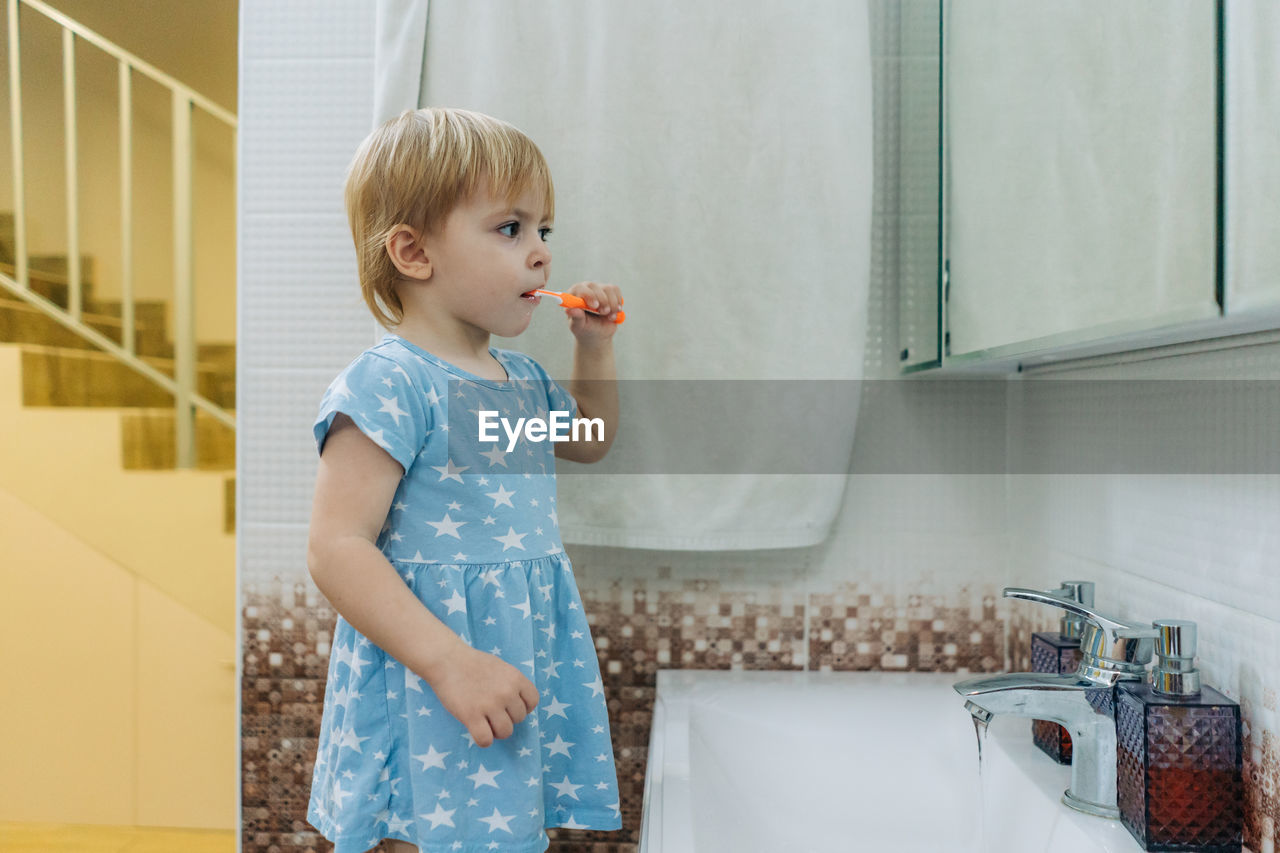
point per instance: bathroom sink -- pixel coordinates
(816, 762)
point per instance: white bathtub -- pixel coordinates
(788, 762)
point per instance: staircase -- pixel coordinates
(66, 407)
(117, 464)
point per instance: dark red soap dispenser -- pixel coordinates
(1178, 761)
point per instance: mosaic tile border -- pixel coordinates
(641, 625)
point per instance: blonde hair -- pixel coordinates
(415, 169)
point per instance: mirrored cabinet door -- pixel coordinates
(918, 141)
(1080, 170)
(1252, 256)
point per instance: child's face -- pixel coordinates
(488, 254)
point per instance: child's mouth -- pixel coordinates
(531, 296)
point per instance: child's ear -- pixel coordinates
(406, 250)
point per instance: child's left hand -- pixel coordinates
(606, 300)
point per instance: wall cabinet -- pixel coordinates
(1109, 179)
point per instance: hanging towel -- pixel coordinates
(716, 163)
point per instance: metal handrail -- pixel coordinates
(104, 343)
(184, 101)
(221, 113)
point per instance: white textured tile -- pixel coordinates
(272, 551)
(1237, 652)
(1214, 536)
(277, 454)
(300, 294)
(886, 100)
(306, 29)
(880, 356)
(301, 122)
(901, 526)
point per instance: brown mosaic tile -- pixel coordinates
(860, 627)
(1023, 622)
(643, 626)
(1261, 784)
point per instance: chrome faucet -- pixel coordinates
(1110, 651)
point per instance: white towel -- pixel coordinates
(717, 165)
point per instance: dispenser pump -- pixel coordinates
(1081, 592)
(1175, 673)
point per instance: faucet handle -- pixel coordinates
(1057, 599)
(1110, 650)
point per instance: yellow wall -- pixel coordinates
(99, 156)
(119, 703)
(165, 526)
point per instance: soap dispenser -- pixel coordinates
(1178, 761)
(1058, 652)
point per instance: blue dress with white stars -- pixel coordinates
(473, 531)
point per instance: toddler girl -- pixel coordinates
(464, 709)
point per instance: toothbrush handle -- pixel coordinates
(568, 300)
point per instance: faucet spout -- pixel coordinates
(1085, 708)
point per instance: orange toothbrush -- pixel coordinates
(568, 300)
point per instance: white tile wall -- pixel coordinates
(303, 307)
(306, 100)
(1212, 536)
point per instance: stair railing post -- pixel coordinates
(184, 339)
(75, 299)
(15, 129)
(183, 384)
(127, 332)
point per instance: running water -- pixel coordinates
(981, 719)
(980, 729)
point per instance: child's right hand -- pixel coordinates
(485, 693)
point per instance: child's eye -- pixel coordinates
(511, 229)
(544, 233)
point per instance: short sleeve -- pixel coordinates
(381, 399)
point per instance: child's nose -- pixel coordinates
(540, 256)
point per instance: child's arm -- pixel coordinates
(594, 381)
(355, 485)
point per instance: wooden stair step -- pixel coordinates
(51, 286)
(150, 443)
(153, 313)
(48, 275)
(53, 376)
(59, 266)
(219, 357)
(22, 323)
